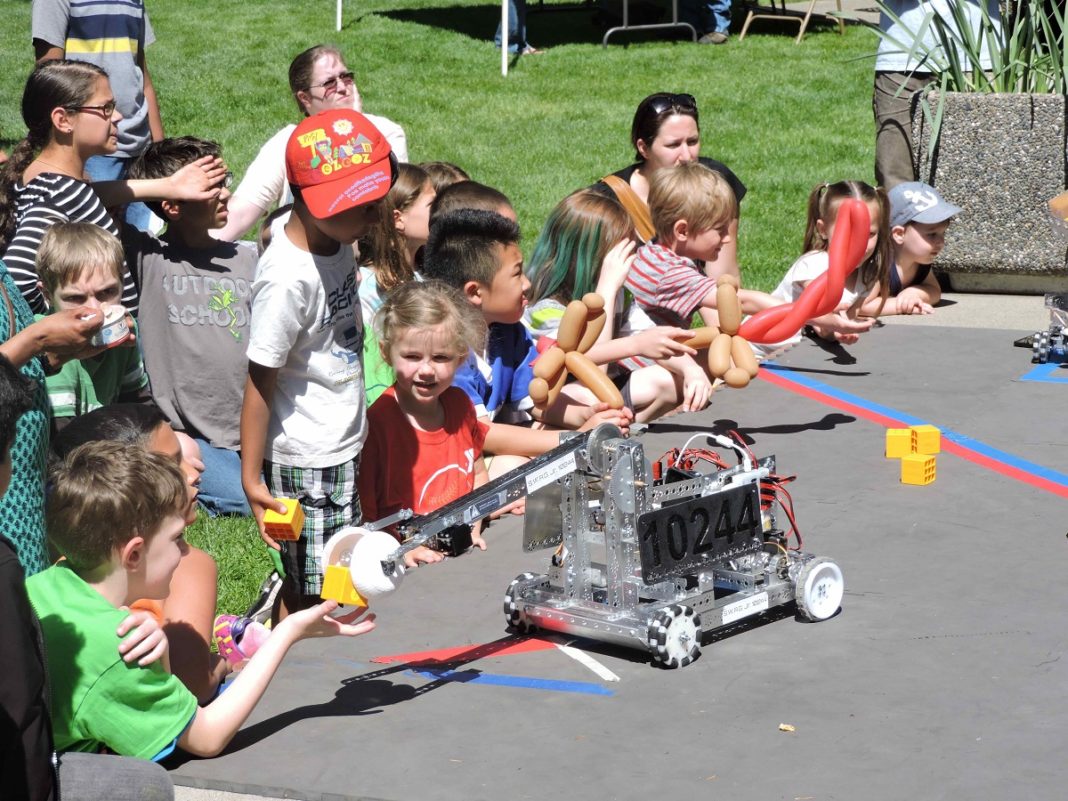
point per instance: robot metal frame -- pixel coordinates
(643, 563)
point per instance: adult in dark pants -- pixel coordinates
(899, 80)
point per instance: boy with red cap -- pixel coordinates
(303, 422)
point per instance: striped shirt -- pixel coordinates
(47, 199)
(667, 286)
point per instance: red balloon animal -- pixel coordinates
(823, 294)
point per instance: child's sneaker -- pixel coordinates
(238, 638)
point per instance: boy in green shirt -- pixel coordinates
(80, 264)
(118, 514)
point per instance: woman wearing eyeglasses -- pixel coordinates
(70, 115)
(664, 133)
(319, 81)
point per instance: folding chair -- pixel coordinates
(780, 12)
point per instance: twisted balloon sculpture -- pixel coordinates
(824, 293)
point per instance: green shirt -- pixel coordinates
(97, 699)
(82, 385)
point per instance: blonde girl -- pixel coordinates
(865, 288)
(424, 442)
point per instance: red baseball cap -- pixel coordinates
(339, 160)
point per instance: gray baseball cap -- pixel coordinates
(917, 202)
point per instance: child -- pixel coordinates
(919, 218)
(80, 264)
(471, 195)
(188, 611)
(118, 513)
(195, 300)
(70, 115)
(691, 208)
(303, 421)
(27, 759)
(393, 245)
(424, 442)
(586, 246)
(478, 253)
(864, 290)
(443, 174)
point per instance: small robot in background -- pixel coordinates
(1050, 345)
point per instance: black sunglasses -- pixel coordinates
(669, 102)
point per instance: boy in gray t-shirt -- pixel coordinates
(194, 320)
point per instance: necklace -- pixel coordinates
(61, 170)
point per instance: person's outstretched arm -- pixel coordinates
(215, 725)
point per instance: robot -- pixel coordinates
(644, 556)
(1050, 345)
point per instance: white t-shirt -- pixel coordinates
(812, 265)
(912, 13)
(306, 322)
(265, 185)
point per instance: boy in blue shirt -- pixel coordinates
(478, 252)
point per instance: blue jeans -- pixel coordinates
(113, 168)
(706, 16)
(220, 484)
(517, 27)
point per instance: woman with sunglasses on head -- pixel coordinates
(319, 81)
(70, 115)
(664, 133)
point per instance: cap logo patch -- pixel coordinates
(921, 201)
(328, 159)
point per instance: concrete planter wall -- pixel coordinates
(1000, 158)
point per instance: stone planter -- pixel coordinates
(1000, 157)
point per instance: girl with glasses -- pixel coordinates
(70, 115)
(665, 132)
(319, 81)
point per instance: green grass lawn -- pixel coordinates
(783, 116)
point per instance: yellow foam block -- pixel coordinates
(337, 586)
(898, 442)
(926, 439)
(287, 526)
(917, 468)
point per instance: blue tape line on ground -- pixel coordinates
(524, 682)
(1050, 373)
(908, 419)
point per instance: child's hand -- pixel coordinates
(910, 301)
(477, 540)
(600, 413)
(422, 556)
(200, 180)
(663, 342)
(147, 642)
(260, 500)
(317, 622)
(696, 388)
(616, 265)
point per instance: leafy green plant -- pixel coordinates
(966, 49)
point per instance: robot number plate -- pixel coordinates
(680, 539)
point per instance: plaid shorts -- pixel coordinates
(330, 502)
